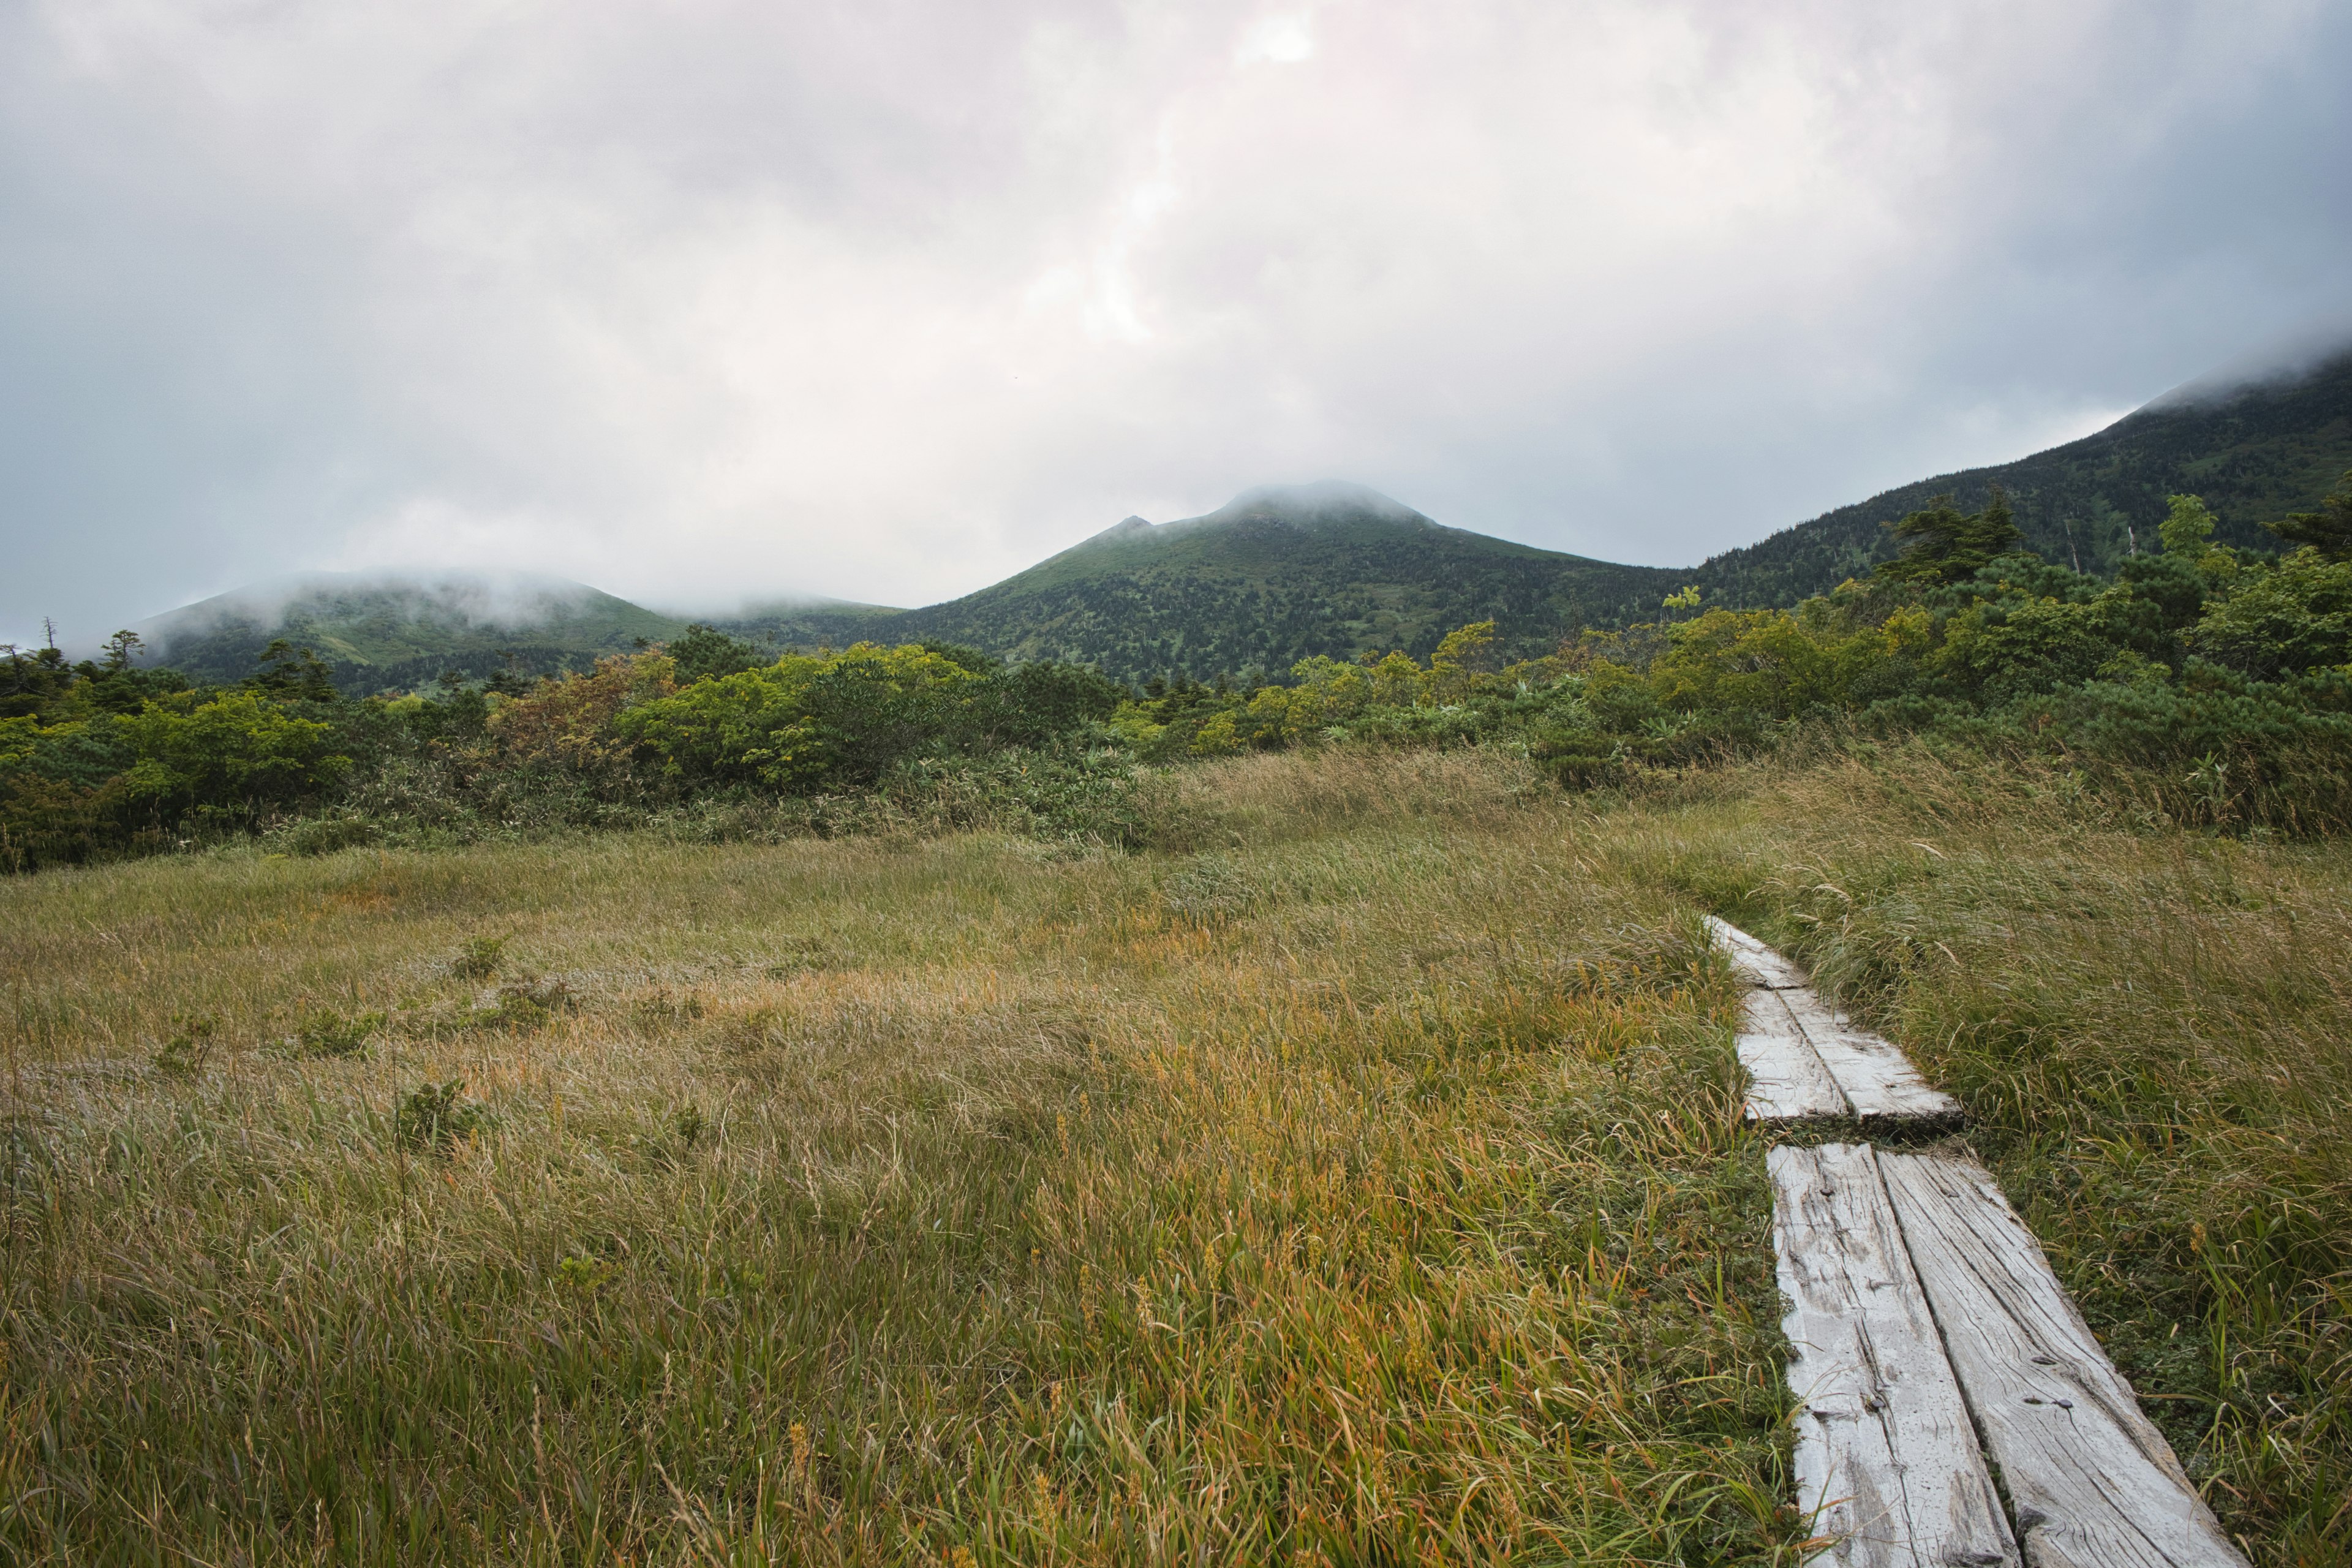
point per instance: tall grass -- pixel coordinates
(1365, 1194)
(1366, 1186)
(2151, 1029)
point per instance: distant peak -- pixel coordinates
(1322, 499)
(1123, 528)
(2276, 367)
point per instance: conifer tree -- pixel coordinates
(2328, 529)
(1944, 544)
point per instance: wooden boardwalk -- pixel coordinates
(1806, 1061)
(1933, 1354)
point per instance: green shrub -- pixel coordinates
(331, 1034)
(435, 1119)
(478, 959)
(191, 1045)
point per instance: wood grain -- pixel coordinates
(2093, 1483)
(1876, 1078)
(1886, 1461)
(1787, 1079)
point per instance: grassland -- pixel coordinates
(1365, 1186)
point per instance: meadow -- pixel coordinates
(1358, 1179)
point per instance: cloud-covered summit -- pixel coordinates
(719, 300)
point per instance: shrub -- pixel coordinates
(479, 958)
(331, 1034)
(191, 1045)
(433, 1120)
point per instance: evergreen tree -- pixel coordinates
(291, 673)
(2328, 529)
(1944, 544)
(704, 652)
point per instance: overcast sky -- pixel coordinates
(702, 301)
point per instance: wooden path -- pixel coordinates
(1956, 1410)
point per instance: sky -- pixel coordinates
(708, 302)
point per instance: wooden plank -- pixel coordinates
(1787, 1079)
(1876, 1078)
(2094, 1482)
(1886, 1460)
(1758, 964)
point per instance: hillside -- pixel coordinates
(1283, 572)
(1276, 575)
(2255, 452)
(381, 633)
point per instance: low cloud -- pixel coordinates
(719, 301)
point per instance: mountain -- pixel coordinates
(813, 623)
(2255, 449)
(1274, 576)
(1285, 572)
(385, 633)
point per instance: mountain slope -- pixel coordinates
(1278, 574)
(1284, 572)
(2255, 452)
(384, 633)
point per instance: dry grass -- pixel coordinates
(1367, 1187)
(1349, 1196)
(2152, 1032)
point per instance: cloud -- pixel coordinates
(719, 300)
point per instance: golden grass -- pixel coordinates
(1366, 1188)
(1352, 1195)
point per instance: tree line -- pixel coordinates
(2216, 680)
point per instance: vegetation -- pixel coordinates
(1363, 1183)
(104, 759)
(925, 1124)
(2211, 685)
(2257, 454)
(1278, 575)
(375, 634)
(2206, 685)
(729, 1102)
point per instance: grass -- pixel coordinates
(1367, 1187)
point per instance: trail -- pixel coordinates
(1955, 1409)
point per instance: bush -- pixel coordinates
(331, 1034)
(433, 1120)
(479, 957)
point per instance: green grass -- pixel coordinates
(1366, 1188)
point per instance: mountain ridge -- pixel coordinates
(1285, 572)
(2254, 448)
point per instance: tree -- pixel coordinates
(2187, 529)
(2328, 529)
(289, 673)
(1944, 544)
(122, 648)
(703, 652)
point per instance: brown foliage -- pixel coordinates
(567, 721)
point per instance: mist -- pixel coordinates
(717, 303)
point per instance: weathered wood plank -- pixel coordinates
(1756, 961)
(1876, 1078)
(1886, 1460)
(2094, 1482)
(1787, 1079)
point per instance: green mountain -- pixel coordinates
(2254, 450)
(1287, 572)
(1274, 576)
(384, 632)
(813, 623)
